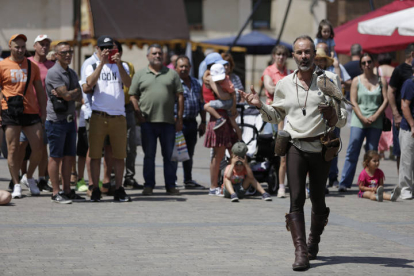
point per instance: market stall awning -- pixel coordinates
(255, 42)
(140, 19)
(402, 21)
(347, 34)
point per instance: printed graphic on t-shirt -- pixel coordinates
(18, 75)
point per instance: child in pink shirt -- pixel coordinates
(371, 180)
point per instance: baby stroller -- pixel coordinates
(259, 138)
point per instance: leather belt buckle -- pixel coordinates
(69, 118)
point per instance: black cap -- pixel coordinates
(104, 41)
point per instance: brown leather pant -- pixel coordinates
(298, 164)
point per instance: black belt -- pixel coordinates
(104, 114)
(68, 119)
(311, 139)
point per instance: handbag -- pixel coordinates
(180, 152)
(59, 104)
(15, 106)
(330, 146)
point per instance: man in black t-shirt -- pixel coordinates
(400, 74)
(353, 67)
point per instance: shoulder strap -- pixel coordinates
(29, 74)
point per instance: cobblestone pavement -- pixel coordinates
(196, 234)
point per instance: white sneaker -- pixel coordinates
(23, 181)
(395, 193)
(281, 193)
(17, 191)
(219, 192)
(380, 194)
(406, 194)
(34, 190)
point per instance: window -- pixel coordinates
(194, 11)
(261, 18)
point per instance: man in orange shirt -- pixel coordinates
(20, 110)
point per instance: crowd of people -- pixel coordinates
(50, 115)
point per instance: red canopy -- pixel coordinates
(347, 34)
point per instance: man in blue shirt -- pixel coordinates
(406, 137)
(193, 105)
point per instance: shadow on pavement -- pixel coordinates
(387, 262)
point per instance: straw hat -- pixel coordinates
(320, 53)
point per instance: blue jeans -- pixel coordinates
(166, 134)
(395, 141)
(190, 135)
(372, 136)
(333, 170)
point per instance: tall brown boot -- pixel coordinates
(295, 223)
(318, 223)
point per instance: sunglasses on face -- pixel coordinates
(106, 47)
(366, 62)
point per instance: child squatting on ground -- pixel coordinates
(238, 176)
(371, 180)
(218, 75)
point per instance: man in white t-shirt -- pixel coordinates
(107, 76)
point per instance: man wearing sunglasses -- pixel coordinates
(62, 88)
(107, 77)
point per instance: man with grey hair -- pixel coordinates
(297, 96)
(153, 92)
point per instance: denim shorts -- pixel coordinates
(62, 138)
(238, 189)
(23, 137)
(219, 104)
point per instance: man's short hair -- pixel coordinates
(155, 45)
(356, 49)
(303, 37)
(409, 49)
(181, 57)
(62, 43)
(118, 45)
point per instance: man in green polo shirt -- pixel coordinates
(153, 92)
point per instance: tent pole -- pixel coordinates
(245, 25)
(283, 23)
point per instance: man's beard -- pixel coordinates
(306, 67)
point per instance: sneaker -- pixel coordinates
(342, 189)
(266, 197)
(96, 195)
(73, 196)
(23, 180)
(147, 191)
(395, 193)
(60, 198)
(133, 183)
(192, 184)
(219, 122)
(333, 183)
(234, 198)
(81, 186)
(121, 196)
(173, 191)
(380, 194)
(219, 191)
(281, 193)
(17, 191)
(212, 192)
(34, 190)
(405, 194)
(43, 187)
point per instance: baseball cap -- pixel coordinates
(212, 58)
(217, 72)
(105, 41)
(16, 36)
(41, 38)
(239, 149)
(222, 62)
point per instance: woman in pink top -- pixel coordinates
(271, 75)
(385, 70)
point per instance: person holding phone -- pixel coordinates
(108, 114)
